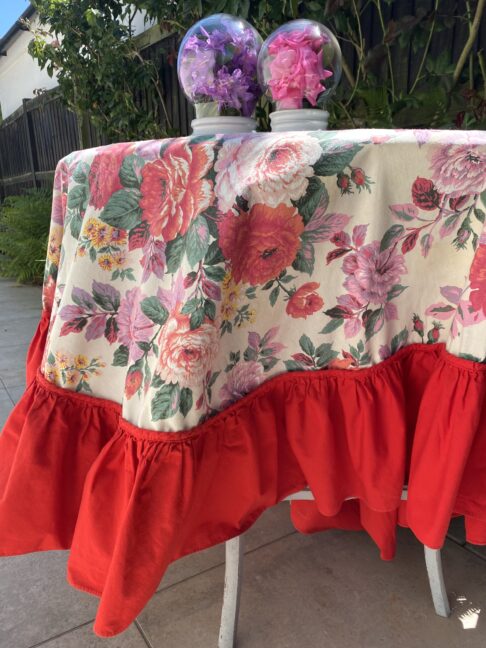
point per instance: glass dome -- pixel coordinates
(217, 66)
(299, 65)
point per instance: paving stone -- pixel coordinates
(330, 590)
(84, 638)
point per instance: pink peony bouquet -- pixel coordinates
(296, 62)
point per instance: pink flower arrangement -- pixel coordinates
(295, 67)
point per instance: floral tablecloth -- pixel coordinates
(229, 319)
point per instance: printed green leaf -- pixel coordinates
(154, 310)
(174, 253)
(305, 258)
(391, 235)
(394, 291)
(77, 196)
(213, 255)
(128, 171)
(122, 209)
(480, 215)
(398, 340)
(197, 241)
(196, 318)
(166, 401)
(185, 402)
(120, 357)
(316, 197)
(274, 295)
(210, 309)
(374, 323)
(75, 224)
(81, 173)
(335, 158)
(332, 326)
(292, 365)
(307, 345)
(216, 273)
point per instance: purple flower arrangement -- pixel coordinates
(217, 66)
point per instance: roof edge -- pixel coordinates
(15, 28)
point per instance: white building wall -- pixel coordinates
(20, 74)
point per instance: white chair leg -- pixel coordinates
(232, 591)
(436, 581)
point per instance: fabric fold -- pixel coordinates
(129, 501)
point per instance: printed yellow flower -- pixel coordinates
(81, 251)
(105, 262)
(51, 373)
(62, 360)
(54, 244)
(102, 236)
(90, 230)
(72, 377)
(81, 361)
(119, 259)
(251, 316)
(228, 310)
(226, 280)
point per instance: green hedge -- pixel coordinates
(24, 230)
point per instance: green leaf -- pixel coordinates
(213, 255)
(391, 235)
(157, 381)
(81, 173)
(128, 171)
(335, 158)
(196, 319)
(305, 258)
(292, 365)
(76, 197)
(374, 323)
(197, 241)
(325, 355)
(210, 309)
(154, 310)
(120, 357)
(274, 295)
(122, 209)
(92, 255)
(332, 326)
(360, 346)
(166, 401)
(480, 215)
(394, 291)
(398, 340)
(307, 345)
(185, 402)
(216, 273)
(75, 224)
(174, 253)
(191, 305)
(316, 197)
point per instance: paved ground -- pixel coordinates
(327, 590)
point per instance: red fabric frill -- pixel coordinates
(130, 501)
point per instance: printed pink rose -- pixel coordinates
(174, 190)
(133, 325)
(104, 177)
(243, 378)
(460, 169)
(260, 243)
(425, 195)
(270, 169)
(372, 273)
(305, 301)
(185, 355)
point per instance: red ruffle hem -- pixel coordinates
(129, 501)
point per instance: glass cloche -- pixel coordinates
(217, 66)
(299, 65)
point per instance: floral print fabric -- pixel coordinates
(183, 273)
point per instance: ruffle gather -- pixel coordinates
(130, 501)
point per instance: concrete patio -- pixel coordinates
(328, 590)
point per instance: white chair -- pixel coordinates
(234, 572)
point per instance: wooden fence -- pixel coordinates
(42, 131)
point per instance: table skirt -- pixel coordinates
(129, 501)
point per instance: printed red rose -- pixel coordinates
(343, 182)
(305, 301)
(260, 243)
(104, 177)
(358, 176)
(133, 382)
(425, 195)
(174, 190)
(477, 278)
